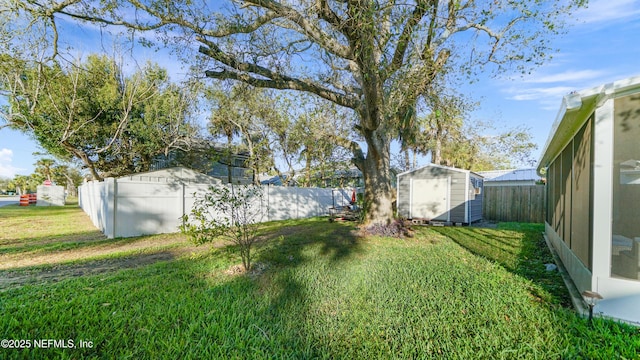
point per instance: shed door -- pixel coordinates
(429, 199)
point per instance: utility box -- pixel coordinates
(50, 195)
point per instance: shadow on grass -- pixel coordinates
(519, 248)
(283, 294)
(286, 245)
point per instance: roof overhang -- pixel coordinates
(575, 110)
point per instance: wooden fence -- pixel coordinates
(515, 203)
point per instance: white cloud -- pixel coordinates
(599, 11)
(538, 93)
(534, 88)
(6, 169)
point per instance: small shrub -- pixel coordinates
(230, 212)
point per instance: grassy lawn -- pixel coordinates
(322, 292)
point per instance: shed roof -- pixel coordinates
(441, 167)
(574, 111)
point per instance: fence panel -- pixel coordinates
(126, 208)
(515, 203)
(92, 197)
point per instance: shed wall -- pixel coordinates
(475, 204)
(457, 197)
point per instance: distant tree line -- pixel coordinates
(65, 175)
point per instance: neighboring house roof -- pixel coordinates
(574, 112)
(510, 175)
(174, 174)
(275, 179)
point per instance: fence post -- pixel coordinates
(110, 206)
(181, 198)
(268, 202)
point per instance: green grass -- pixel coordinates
(456, 293)
(43, 229)
(520, 249)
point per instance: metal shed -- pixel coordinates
(440, 193)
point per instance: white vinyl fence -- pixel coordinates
(126, 209)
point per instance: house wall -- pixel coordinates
(126, 208)
(459, 188)
(171, 175)
(585, 190)
(626, 188)
(596, 195)
(569, 192)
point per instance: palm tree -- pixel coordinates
(21, 182)
(44, 167)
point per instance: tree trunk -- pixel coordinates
(407, 160)
(85, 160)
(437, 151)
(378, 194)
(229, 157)
(71, 187)
(308, 169)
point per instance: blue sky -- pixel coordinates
(600, 47)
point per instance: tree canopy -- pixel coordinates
(91, 112)
(374, 57)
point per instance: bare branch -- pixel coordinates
(403, 42)
(291, 84)
(269, 78)
(310, 29)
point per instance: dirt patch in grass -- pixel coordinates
(15, 278)
(42, 245)
(257, 269)
(15, 261)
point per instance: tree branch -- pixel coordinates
(269, 78)
(405, 37)
(309, 29)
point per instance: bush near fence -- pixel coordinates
(126, 209)
(515, 203)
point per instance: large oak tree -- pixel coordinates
(373, 56)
